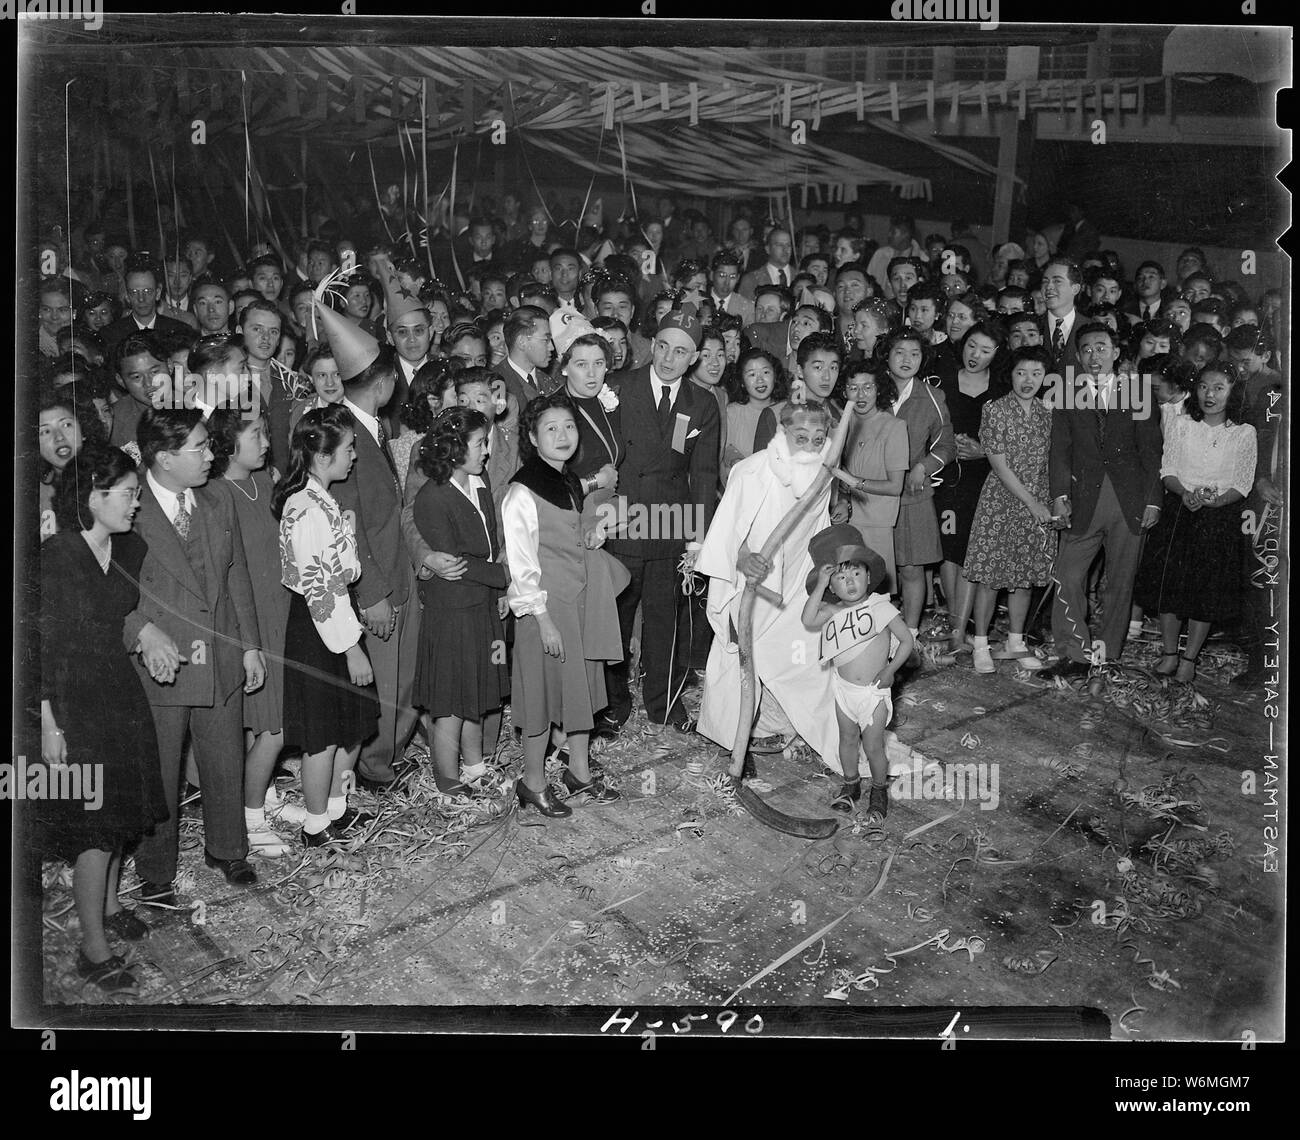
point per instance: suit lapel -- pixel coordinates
(164, 543)
(205, 515)
(367, 442)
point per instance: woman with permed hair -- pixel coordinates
(460, 679)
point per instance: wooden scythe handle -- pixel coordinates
(745, 627)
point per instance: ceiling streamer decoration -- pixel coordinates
(696, 120)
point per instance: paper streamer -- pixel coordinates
(694, 90)
(636, 96)
(374, 181)
(611, 94)
(424, 169)
(956, 100)
(785, 104)
(862, 103)
(893, 102)
(248, 154)
(929, 99)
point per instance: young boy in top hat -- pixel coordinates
(854, 620)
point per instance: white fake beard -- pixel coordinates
(797, 469)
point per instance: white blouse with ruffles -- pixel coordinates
(1203, 456)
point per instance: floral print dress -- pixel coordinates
(1008, 550)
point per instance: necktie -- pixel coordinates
(1058, 340)
(182, 520)
(532, 380)
(665, 407)
(785, 279)
(383, 447)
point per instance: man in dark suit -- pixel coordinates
(1062, 283)
(527, 334)
(667, 494)
(1080, 237)
(140, 364)
(474, 247)
(724, 274)
(776, 270)
(1104, 475)
(1148, 287)
(385, 592)
(196, 632)
(143, 292)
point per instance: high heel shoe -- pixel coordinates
(544, 801)
(1161, 671)
(595, 789)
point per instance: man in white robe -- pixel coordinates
(760, 492)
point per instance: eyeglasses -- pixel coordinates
(142, 292)
(134, 492)
(201, 448)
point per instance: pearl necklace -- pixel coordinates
(256, 490)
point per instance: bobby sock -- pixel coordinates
(1134, 628)
(1016, 641)
(254, 819)
(316, 823)
(474, 771)
(337, 806)
(980, 642)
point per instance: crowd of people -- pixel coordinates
(338, 496)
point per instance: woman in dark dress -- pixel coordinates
(978, 381)
(240, 445)
(584, 362)
(460, 680)
(94, 713)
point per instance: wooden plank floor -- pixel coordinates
(670, 897)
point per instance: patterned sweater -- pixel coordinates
(318, 559)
